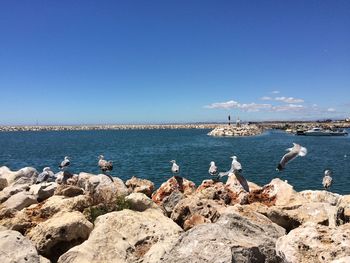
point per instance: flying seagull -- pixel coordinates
(175, 169)
(327, 179)
(45, 175)
(105, 166)
(65, 163)
(213, 169)
(293, 152)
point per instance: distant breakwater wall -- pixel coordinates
(106, 127)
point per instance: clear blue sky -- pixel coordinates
(72, 62)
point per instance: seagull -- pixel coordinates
(293, 152)
(175, 169)
(236, 167)
(45, 175)
(213, 169)
(327, 179)
(65, 163)
(105, 166)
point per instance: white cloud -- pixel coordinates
(249, 107)
(289, 100)
(275, 92)
(331, 110)
(254, 107)
(223, 105)
(288, 107)
(266, 98)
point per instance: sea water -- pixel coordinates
(147, 154)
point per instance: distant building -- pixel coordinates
(347, 119)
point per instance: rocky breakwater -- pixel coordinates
(90, 218)
(233, 130)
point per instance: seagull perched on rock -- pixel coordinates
(105, 166)
(327, 179)
(293, 152)
(45, 175)
(175, 169)
(236, 167)
(213, 169)
(65, 163)
(236, 170)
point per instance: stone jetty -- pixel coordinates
(236, 130)
(90, 218)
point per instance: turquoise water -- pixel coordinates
(146, 154)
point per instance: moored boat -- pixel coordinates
(322, 132)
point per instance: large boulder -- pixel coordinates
(233, 238)
(103, 188)
(140, 202)
(290, 217)
(320, 196)
(226, 193)
(278, 193)
(192, 211)
(59, 203)
(25, 175)
(126, 236)
(174, 184)
(69, 190)
(138, 185)
(169, 202)
(15, 248)
(43, 191)
(59, 233)
(314, 243)
(8, 191)
(19, 201)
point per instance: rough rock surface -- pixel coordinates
(320, 196)
(343, 210)
(191, 211)
(3, 183)
(314, 243)
(8, 191)
(138, 185)
(175, 183)
(58, 203)
(69, 190)
(15, 248)
(43, 191)
(233, 238)
(140, 202)
(126, 236)
(19, 201)
(22, 176)
(59, 233)
(210, 189)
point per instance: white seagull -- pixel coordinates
(327, 179)
(45, 175)
(175, 169)
(236, 167)
(65, 163)
(293, 152)
(213, 169)
(105, 166)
